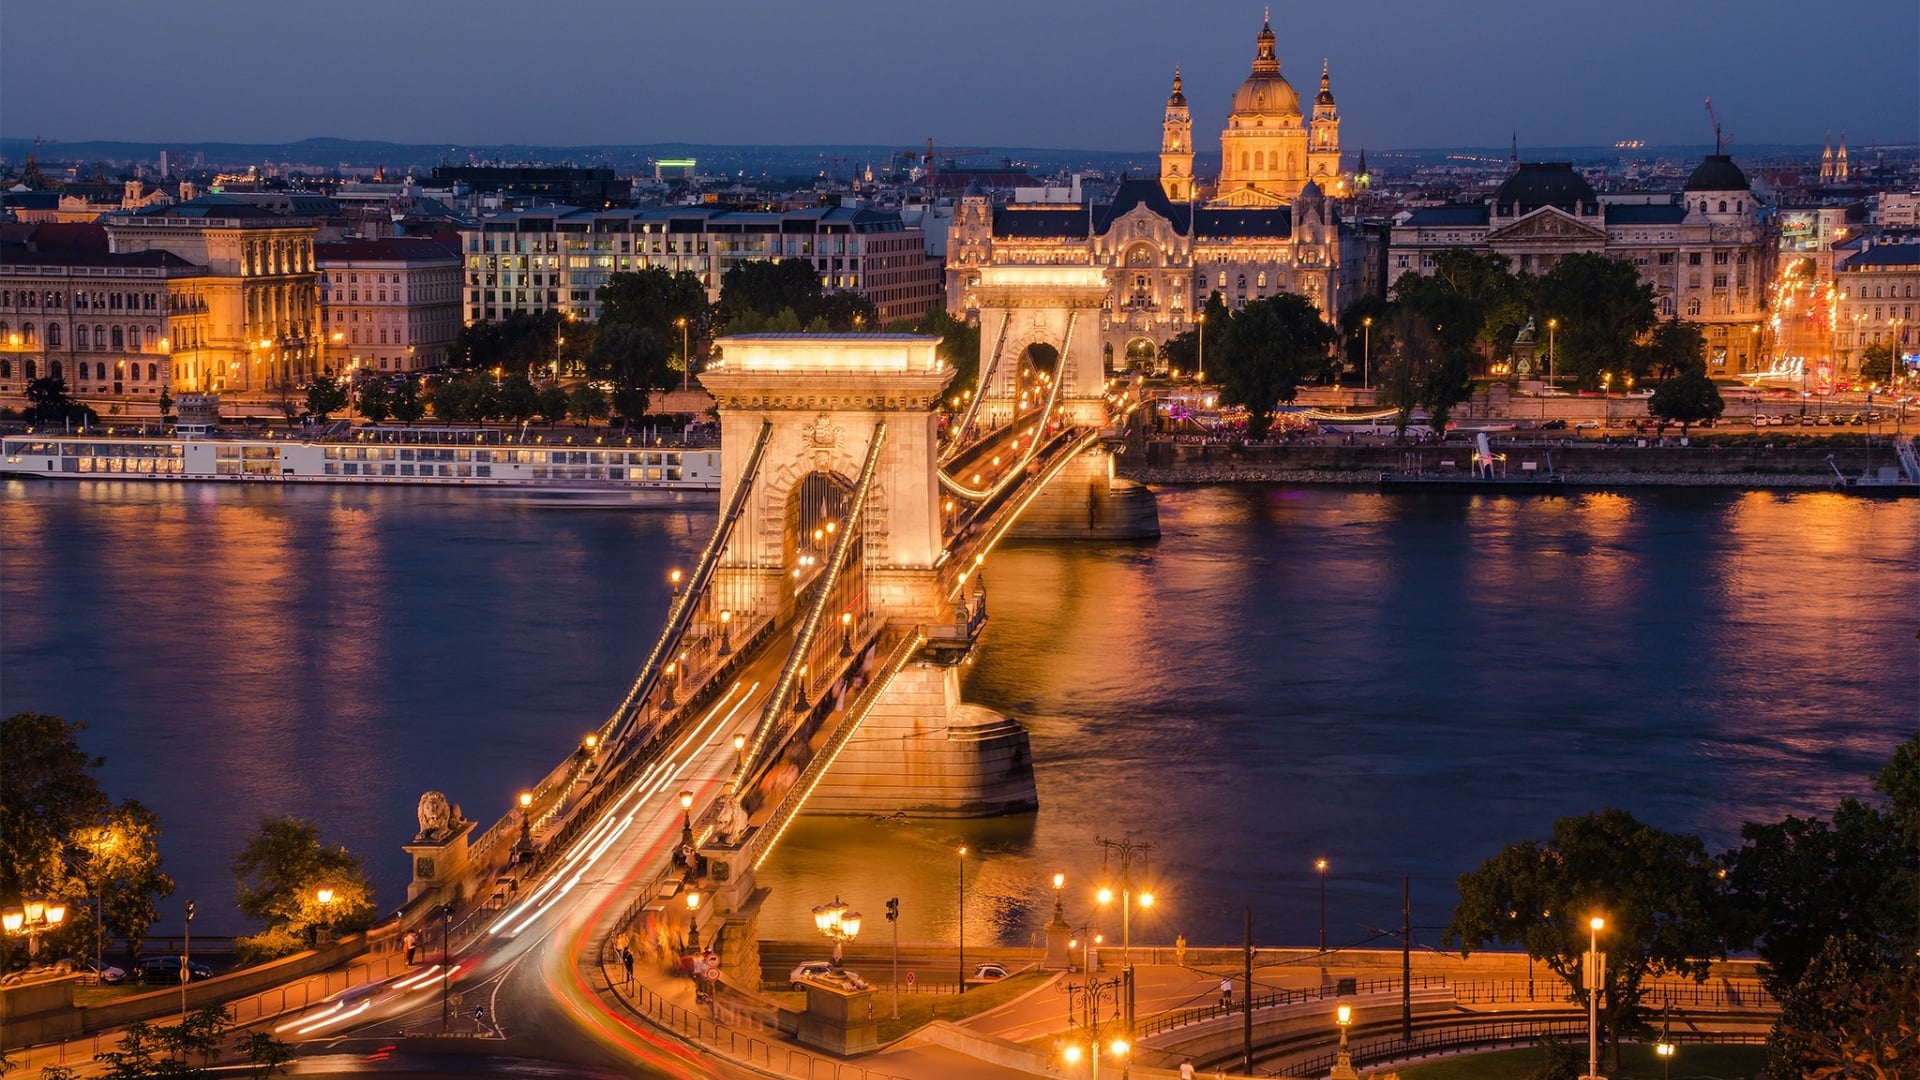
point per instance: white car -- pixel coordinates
(990, 972)
(809, 969)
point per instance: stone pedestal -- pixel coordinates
(839, 1018)
(1059, 955)
(922, 751)
(1085, 501)
(438, 863)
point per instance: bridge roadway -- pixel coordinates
(528, 989)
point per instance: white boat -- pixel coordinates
(577, 472)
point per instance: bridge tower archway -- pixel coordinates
(1058, 306)
(824, 399)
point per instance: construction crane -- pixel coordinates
(930, 158)
(1719, 143)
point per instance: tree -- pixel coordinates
(1364, 340)
(407, 406)
(202, 1032)
(279, 873)
(520, 342)
(1446, 382)
(1268, 348)
(634, 361)
(767, 288)
(376, 400)
(588, 403)
(1686, 399)
(166, 403)
(1658, 892)
(1401, 373)
(655, 299)
(122, 869)
(1498, 301)
(1675, 348)
(959, 345)
(48, 403)
(1850, 1016)
(1602, 308)
(267, 1054)
(50, 794)
(551, 403)
(325, 396)
(519, 398)
(1876, 363)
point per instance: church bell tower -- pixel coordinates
(1323, 152)
(1176, 145)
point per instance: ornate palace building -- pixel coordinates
(1268, 228)
(1706, 250)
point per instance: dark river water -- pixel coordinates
(1401, 683)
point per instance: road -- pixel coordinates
(518, 997)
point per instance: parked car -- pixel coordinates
(165, 970)
(809, 969)
(1554, 425)
(107, 973)
(990, 972)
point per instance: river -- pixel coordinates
(1400, 683)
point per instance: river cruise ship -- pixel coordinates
(479, 459)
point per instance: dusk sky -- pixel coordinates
(987, 73)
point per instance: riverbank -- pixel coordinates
(1580, 464)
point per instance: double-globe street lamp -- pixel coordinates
(1127, 850)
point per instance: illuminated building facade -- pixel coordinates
(1874, 297)
(1270, 149)
(1161, 259)
(257, 328)
(1707, 250)
(557, 258)
(108, 324)
(388, 305)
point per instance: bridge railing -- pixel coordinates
(1715, 993)
(1272, 999)
(1496, 1033)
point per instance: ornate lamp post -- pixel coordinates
(1366, 353)
(693, 926)
(837, 924)
(33, 918)
(1127, 850)
(1552, 353)
(1665, 1049)
(726, 641)
(846, 634)
(1320, 867)
(325, 896)
(526, 819)
(1200, 366)
(1343, 1059)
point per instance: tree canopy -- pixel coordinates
(767, 289)
(1656, 890)
(1267, 349)
(279, 873)
(1686, 399)
(1602, 308)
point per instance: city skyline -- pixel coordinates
(846, 71)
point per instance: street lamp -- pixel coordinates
(1343, 1059)
(1320, 867)
(1596, 978)
(1665, 1050)
(33, 918)
(1552, 325)
(186, 962)
(739, 750)
(963, 918)
(325, 896)
(1127, 849)
(1200, 365)
(1366, 353)
(693, 926)
(526, 818)
(726, 641)
(837, 924)
(846, 634)
(686, 354)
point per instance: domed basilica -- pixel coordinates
(1269, 148)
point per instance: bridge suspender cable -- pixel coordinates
(753, 761)
(967, 491)
(982, 380)
(620, 726)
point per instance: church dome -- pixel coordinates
(1717, 173)
(1266, 93)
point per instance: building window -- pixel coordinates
(100, 371)
(153, 372)
(53, 335)
(1693, 305)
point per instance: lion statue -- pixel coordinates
(435, 816)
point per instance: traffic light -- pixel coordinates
(893, 909)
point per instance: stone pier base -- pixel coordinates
(923, 752)
(1087, 502)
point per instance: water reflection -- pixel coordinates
(1401, 683)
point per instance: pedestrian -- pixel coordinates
(626, 961)
(1180, 950)
(412, 943)
(1186, 1070)
(1226, 993)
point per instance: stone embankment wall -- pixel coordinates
(1588, 464)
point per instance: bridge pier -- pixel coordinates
(924, 752)
(1086, 501)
